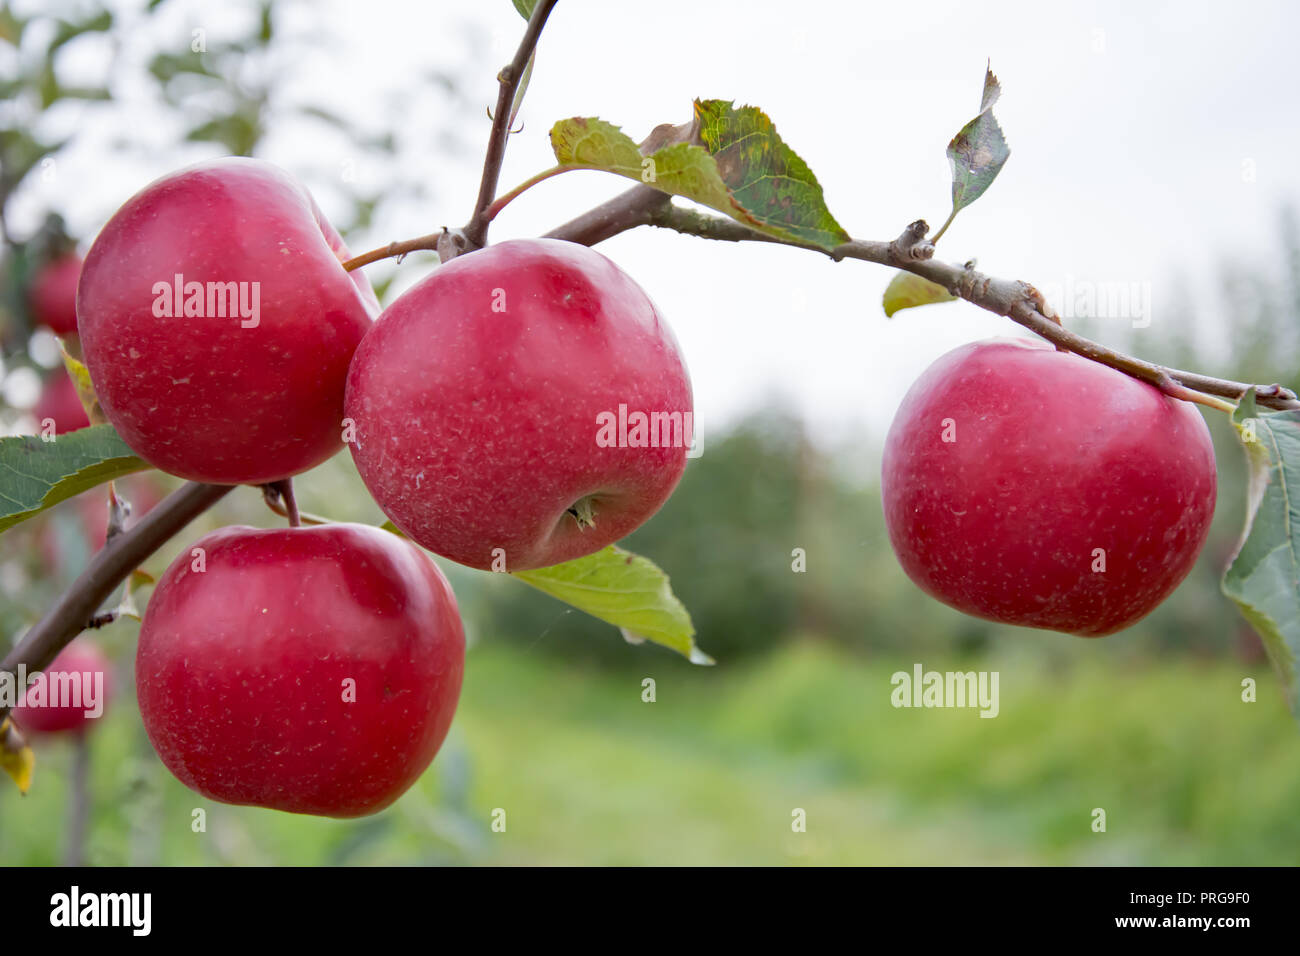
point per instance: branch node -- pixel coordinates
(911, 245)
(451, 243)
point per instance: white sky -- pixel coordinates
(1131, 127)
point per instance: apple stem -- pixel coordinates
(505, 199)
(280, 498)
(1174, 390)
(271, 495)
(420, 243)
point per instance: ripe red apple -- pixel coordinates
(218, 324)
(70, 694)
(1035, 487)
(60, 403)
(53, 294)
(496, 403)
(313, 670)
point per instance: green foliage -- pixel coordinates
(1264, 577)
(743, 169)
(625, 590)
(709, 772)
(766, 177)
(38, 474)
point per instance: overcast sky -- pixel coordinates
(1147, 139)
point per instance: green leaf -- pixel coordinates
(907, 291)
(267, 26)
(67, 31)
(20, 152)
(978, 153)
(765, 175)
(525, 8)
(11, 27)
(238, 132)
(167, 66)
(36, 474)
(1264, 577)
(625, 590)
(743, 170)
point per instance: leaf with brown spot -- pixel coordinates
(979, 151)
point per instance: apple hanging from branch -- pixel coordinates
(1035, 487)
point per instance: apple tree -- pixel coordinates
(524, 407)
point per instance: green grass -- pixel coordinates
(587, 773)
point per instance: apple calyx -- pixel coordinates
(584, 512)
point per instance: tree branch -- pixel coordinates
(509, 79)
(639, 206)
(1016, 300)
(109, 567)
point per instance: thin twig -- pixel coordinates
(394, 249)
(509, 79)
(1016, 300)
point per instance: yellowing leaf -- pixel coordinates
(80, 376)
(907, 291)
(16, 759)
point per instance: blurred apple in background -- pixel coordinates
(59, 402)
(73, 692)
(53, 294)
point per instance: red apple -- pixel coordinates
(53, 294)
(1035, 487)
(496, 406)
(313, 670)
(218, 324)
(69, 694)
(60, 403)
